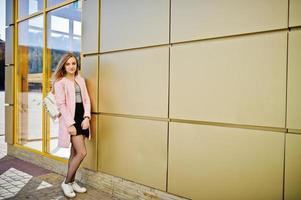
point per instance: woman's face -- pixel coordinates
(70, 66)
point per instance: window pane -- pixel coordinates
(30, 62)
(54, 2)
(63, 35)
(77, 28)
(59, 24)
(28, 7)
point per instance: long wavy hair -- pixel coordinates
(60, 70)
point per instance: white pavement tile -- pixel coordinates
(12, 182)
(43, 185)
(2, 191)
(18, 183)
(6, 196)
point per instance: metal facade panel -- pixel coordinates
(9, 124)
(89, 70)
(295, 13)
(9, 49)
(292, 167)
(239, 80)
(133, 23)
(9, 85)
(294, 81)
(134, 149)
(198, 19)
(9, 18)
(90, 26)
(135, 82)
(211, 162)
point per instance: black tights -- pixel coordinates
(77, 153)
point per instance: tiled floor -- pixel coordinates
(23, 180)
(12, 181)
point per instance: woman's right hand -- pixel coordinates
(72, 130)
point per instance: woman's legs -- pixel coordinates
(72, 154)
(78, 143)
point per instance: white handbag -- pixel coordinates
(50, 105)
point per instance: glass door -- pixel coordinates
(30, 76)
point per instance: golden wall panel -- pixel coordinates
(294, 81)
(90, 160)
(295, 13)
(207, 162)
(134, 149)
(193, 20)
(234, 80)
(9, 85)
(135, 82)
(89, 70)
(9, 131)
(133, 23)
(90, 26)
(292, 167)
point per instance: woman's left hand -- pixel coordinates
(85, 123)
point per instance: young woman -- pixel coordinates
(73, 101)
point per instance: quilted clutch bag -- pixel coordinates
(50, 105)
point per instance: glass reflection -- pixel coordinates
(54, 2)
(30, 64)
(28, 7)
(63, 35)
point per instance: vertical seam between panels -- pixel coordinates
(168, 99)
(168, 122)
(286, 104)
(169, 37)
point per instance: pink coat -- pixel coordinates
(65, 99)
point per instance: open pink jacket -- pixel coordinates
(65, 99)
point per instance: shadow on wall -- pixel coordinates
(2, 64)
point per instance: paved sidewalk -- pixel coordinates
(23, 180)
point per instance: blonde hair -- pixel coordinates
(60, 70)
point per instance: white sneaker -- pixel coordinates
(78, 188)
(68, 190)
